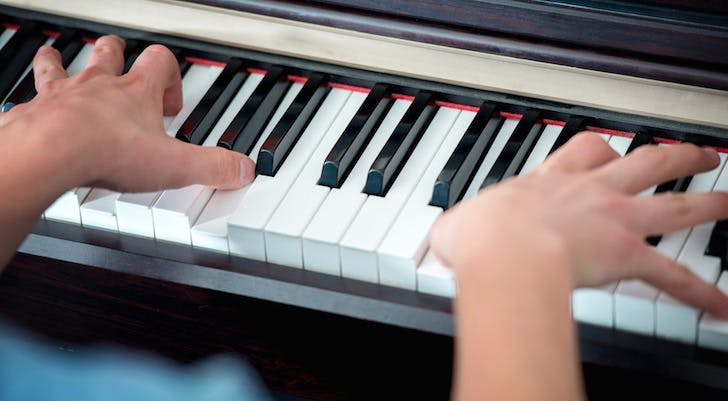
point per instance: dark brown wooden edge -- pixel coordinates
(243, 277)
(674, 51)
(171, 263)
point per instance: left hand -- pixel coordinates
(106, 129)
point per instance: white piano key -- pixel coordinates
(283, 232)
(713, 331)
(246, 225)
(405, 245)
(365, 234)
(634, 300)
(99, 209)
(594, 305)
(210, 231)
(434, 278)
(67, 207)
(134, 211)
(79, 62)
(176, 210)
(495, 150)
(676, 320)
(406, 242)
(196, 81)
(286, 226)
(541, 150)
(327, 227)
(634, 307)
(5, 36)
(620, 144)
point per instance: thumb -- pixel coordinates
(212, 166)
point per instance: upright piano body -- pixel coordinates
(657, 67)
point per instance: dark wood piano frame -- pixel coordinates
(315, 335)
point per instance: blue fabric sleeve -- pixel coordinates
(32, 370)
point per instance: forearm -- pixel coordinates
(37, 168)
(516, 340)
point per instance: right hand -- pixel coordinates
(581, 203)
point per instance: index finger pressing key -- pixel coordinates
(47, 66)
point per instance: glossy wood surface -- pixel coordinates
(296, 351)
(663, 43)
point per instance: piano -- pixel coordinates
(368, 120)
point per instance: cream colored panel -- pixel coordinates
(407, 58)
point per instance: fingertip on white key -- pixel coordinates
(435, 278)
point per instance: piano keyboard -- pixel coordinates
(352, 173)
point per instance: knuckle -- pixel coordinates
(652, 153)
(160, 51)
(49, 86)
(47, 51)
(678, 204)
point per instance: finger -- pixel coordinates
(212, 166)
(107, 56)
(584, 151)
(668, 212)
(158, 69)
(47, 66)
(651, 165)
(678, 281)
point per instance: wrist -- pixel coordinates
(51, 157)
(509, 255)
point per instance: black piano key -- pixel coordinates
(204, 116)
(677, 185)
(184, 65)
(17, 54)
(294, 121)
(247, 126)
(639, 139)
(516, 150)
(468, 154)
(573, 126)
(400, 145)
(132, 50)
(355, 137)
(718, 244)
(69, 44)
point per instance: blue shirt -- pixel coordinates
(33, 370)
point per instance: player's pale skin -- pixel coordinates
(518, 249)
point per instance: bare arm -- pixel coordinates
(100, 128)
(519, 248)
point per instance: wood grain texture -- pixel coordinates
(296, 351)
(661, 43)
(477, 70)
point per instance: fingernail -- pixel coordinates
(247, 170)
(713, 154)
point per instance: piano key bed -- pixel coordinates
(353, 168)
